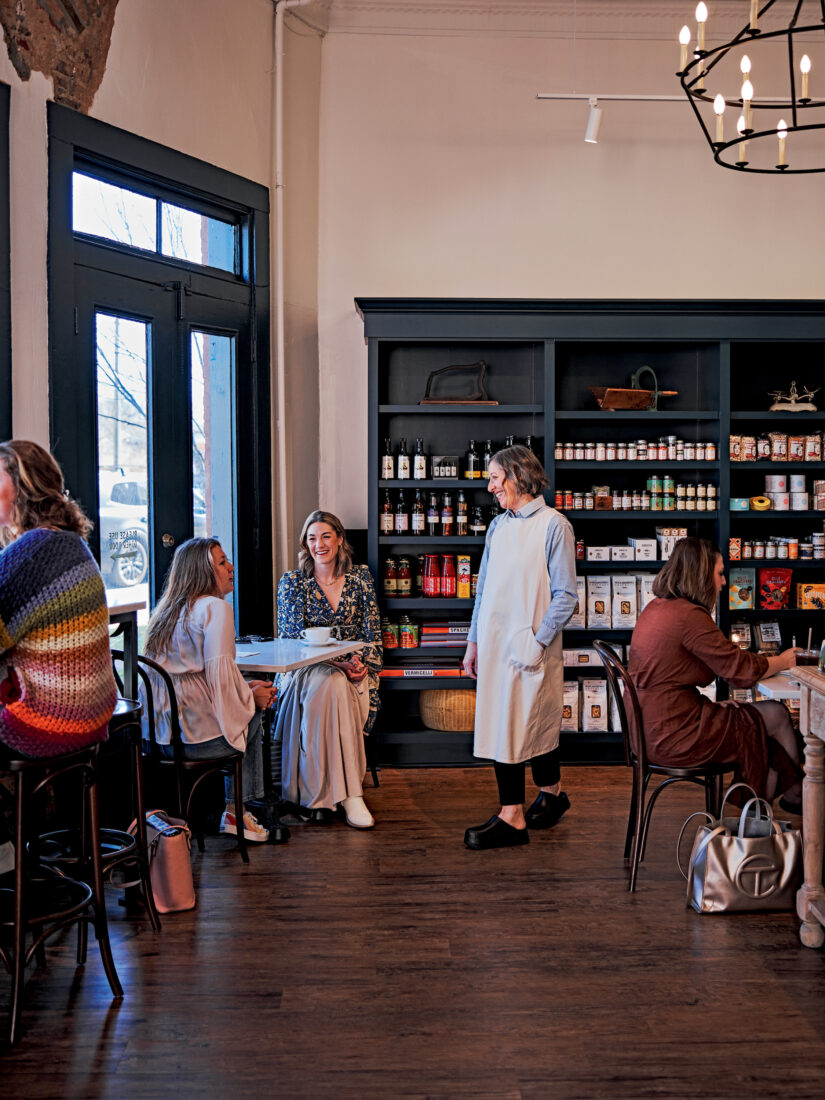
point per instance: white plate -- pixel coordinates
(318, 645)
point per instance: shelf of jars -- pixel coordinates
(624, 464)
(576, 514)
(744, 414)
(772, 514)
(431, 603)
(649, 415)
(444, 541)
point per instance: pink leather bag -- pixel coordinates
(170, 867)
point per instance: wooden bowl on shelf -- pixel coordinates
(449, 711)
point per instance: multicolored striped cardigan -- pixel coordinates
(57, 689)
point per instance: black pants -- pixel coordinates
(510, 777)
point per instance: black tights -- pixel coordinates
(778, 727)
(510, 777)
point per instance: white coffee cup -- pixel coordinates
(317, 635)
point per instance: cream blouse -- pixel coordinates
(213, 697)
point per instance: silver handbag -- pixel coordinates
(752, 862)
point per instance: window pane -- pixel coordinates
(104, 210)
(187, 235)
(213, 414)
(122, 360)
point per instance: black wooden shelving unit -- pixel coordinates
(722, 356)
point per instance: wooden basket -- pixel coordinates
(451, 711)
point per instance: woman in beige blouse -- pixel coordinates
(191, 635)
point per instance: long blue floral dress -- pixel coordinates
(321, 715)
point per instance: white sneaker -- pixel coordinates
(252, 828)
(357, 814)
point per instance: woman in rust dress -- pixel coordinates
(677, 648)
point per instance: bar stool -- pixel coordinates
(43, 899)
(63, 848)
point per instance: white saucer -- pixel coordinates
(317, 645)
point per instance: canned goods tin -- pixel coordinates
(799, 502)
(408, 633)
(654, 484)
(390, 634)
(668, 502)
(780, 502)
(668, 484)
(776, 483)
(655, 502)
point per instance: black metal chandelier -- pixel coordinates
(779, 132)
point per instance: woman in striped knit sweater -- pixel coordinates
(57, 689)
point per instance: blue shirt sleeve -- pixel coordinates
(560, 550)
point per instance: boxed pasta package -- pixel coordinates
(574, 658)
(594, 706)
(624, 601)
(598, 602)
(570, 706)
(578, 621)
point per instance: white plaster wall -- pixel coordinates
(191, 74)
(441, 175)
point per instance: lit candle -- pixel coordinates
(701, 19)
(747, 96)
(782, 134)
(743, 145)
(719, 109)
(745, 66)
(805, 66)
(754, 14)
(684, 40)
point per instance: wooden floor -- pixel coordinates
(396, 963)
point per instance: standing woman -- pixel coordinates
(57, 688)
(526, 594)
(325, 710)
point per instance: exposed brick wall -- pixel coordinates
(68, 40)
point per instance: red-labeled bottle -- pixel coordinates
(432, 576)
(448, 575)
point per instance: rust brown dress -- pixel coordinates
(676, 648)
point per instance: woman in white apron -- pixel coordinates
(526, 594)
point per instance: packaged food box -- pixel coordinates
(810, 597)
(646, 549)
(598, 602)
(570, 706)
(594, 706)
(575, 657)
(644, 590)
(774, 587)
(578, 620)
(597, 553)
(622, 553)
(624, 601)
(741, 584)
(667, 538)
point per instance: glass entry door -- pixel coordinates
(165, 400)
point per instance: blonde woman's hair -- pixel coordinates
(41, 499)
(191, 575)
(343, 563)
(689, 573)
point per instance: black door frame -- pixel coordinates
(5, 270)
(77, 142)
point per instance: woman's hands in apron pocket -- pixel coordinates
(526, 654)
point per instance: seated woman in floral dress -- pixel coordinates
(324, 710)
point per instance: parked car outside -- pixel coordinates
(124, 528)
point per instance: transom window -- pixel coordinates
(149, 223)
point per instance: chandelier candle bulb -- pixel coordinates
(754, 15)
(701, 19)
(719, 109)
(805, 68)
(743, 145)
(782, 134)
(747, 96)
(684, 41)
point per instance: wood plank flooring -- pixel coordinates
(395, 963)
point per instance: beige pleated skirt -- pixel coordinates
(320, 725)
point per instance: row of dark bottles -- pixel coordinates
(418, 466)
(445, 514)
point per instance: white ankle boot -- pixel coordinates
(357, 814)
